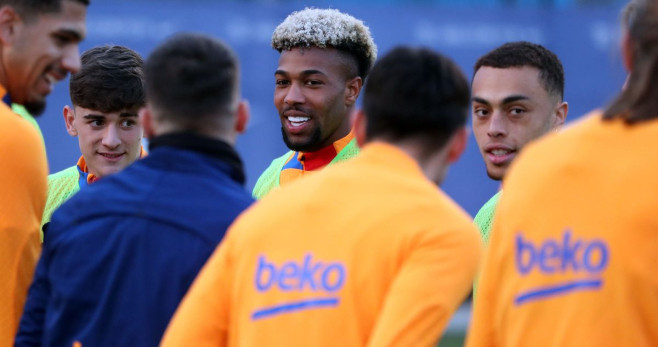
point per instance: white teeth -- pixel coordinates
(500, 152)
(298, 119)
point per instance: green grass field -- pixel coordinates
(452, 340)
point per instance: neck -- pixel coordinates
(211, 132)
(433, 163)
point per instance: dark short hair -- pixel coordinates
(191, 77)
(522, 53)
(110, 79)
(29, 9)
(415, 93)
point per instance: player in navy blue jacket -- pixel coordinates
(120, 255)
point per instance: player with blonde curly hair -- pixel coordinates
(325, 58)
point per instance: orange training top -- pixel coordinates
(23, 188)
(574, 247)
(365, 252)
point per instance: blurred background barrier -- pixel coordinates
(584, 34)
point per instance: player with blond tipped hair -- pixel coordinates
(383, 261)
(325, 58)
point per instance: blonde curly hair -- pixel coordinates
(327, 28)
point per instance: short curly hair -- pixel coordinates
(327, 28)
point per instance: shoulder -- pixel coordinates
(269, 178)
(16, 132)
(23, 155)
(70, 173)
(61, 186)
(279, 162)
(490, 205)
(436, 221)
(350, 150)
(484, 217)
(563, 141)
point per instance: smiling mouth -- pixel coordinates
(298, 121)
(111, 156)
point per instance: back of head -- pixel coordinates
(639, 100)
(110, 79)
(30, 9)
(192, 82)
(521, 53)
(328, 28)
(415, 93)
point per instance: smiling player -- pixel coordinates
(106, 95)
(517, 94)
(383, 262)
(318, 81)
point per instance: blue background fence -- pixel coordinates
(585, 39)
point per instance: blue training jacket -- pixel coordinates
(119, 256)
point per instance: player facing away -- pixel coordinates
(578, 268)
(106, 95)
(121, 253)
(319, 77)
(517, 96)
(384, 261)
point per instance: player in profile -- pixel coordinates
(573, 254)
(38, 47)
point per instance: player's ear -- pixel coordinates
(359, 124)
(352, 90)
(242, 117)
(69, 118)
(146, 120)
(457, 144)
(9, 19)
(627, 51)
(560, 114)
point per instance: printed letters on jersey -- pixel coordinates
(581, 261)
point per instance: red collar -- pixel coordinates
(322, 157)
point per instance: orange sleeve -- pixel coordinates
(202, 317)
(23, 188)
(481, 331)
(434, 279)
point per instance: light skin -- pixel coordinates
(435, 164)
(315, 94)
(511, 107)
(36, 54)
(626, 53)
(225, 128)
(108, 141)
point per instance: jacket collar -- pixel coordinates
(213, 147)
